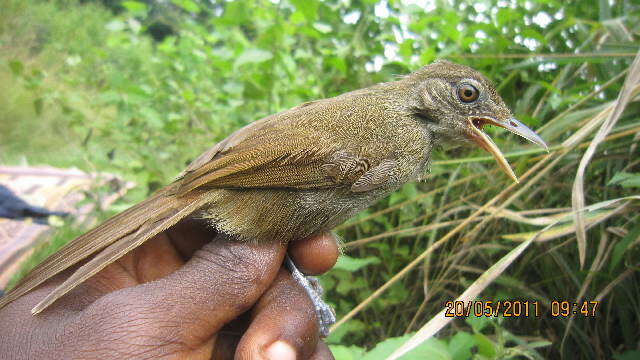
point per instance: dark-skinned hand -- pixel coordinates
(179, 296)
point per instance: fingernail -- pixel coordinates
(280, 350)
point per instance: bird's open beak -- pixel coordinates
(485, 142)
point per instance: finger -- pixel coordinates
(221, 281)
(284, 324)
(189, 235)
(315, 255)
(228, 337)
(154, 259)
(224, 347)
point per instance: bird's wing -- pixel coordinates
(263, 155)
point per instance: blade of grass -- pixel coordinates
(577, 196)
(406, 232)
(560, 231)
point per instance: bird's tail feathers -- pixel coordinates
(117, 236)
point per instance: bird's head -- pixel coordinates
(457, 102)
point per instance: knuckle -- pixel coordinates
(238, 270)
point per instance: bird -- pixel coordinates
(304, 170)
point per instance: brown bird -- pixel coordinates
(304, 170)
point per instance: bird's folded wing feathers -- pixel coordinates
(269, 159)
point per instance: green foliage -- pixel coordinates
(139, 88)
(462, 345)
(626, 180)
(432, 349)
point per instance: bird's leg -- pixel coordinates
(324, 313)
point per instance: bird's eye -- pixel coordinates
(468, 93)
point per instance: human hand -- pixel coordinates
(179, 295)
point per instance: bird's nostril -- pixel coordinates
(513, 124)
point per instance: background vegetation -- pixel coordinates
(139, 88)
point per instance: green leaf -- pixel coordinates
(621, 247)
(297, 18)
(406, 49)
(460, 345)
(628, 355)
(309, 8)
(135, 7)
(485, 346)
(433, 349)
(187, 5)
(352, 326)
(338, 63)
(410, 190)
(352, 264)
(478, 322)
(505, 15)
(345, 286)
(626, 180)
(427, 55)
(341, 352)
(252, 56)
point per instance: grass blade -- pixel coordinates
(632, 83)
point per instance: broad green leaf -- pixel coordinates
(626, 180)
(352, 264)
(341, 352)
(352, 326)
(433, 349)
(485, 346)
(460, 345)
